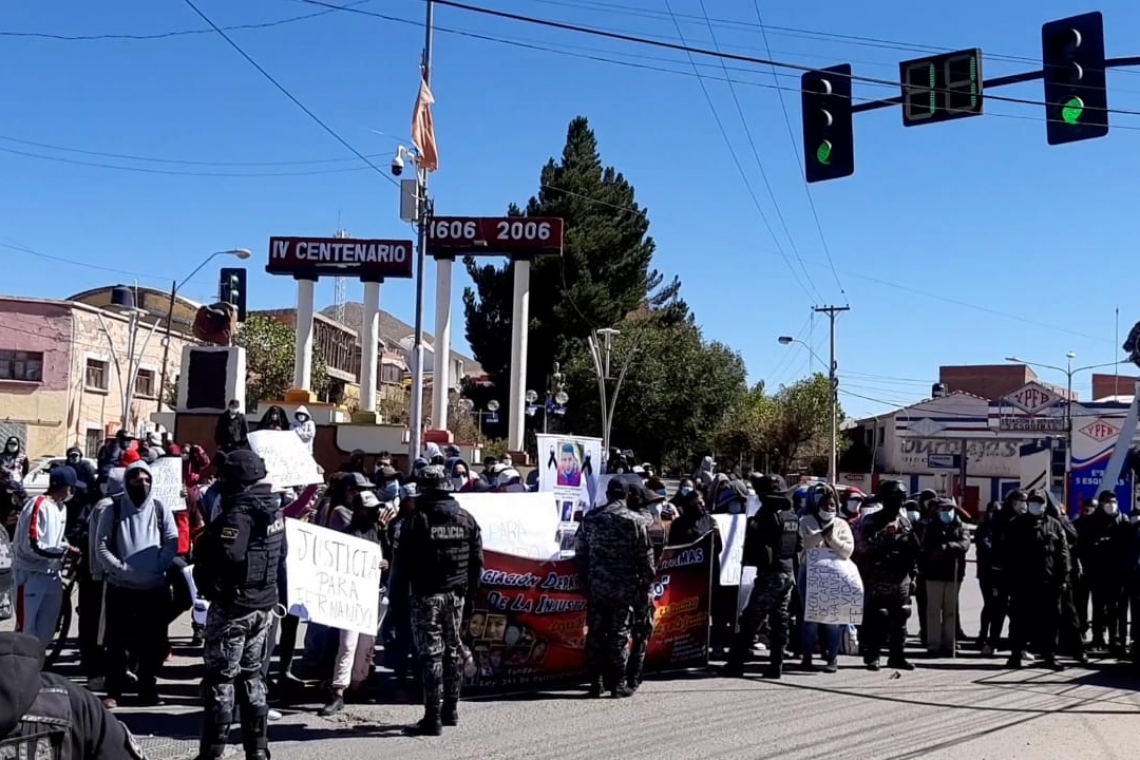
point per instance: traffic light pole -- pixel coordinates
(994, 83)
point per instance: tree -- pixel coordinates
(673, 395)
(603, 275)
(787, 430)
(269, 352)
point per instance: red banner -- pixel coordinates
(529, 624)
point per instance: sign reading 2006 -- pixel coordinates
(340, 257)
(495, 236)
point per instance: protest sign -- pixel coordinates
(522, 524)
(166, 483)
(288, 462)
(332, 579)
(833, 592)
(569, 468)
(528, 627)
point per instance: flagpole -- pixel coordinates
(416, 417)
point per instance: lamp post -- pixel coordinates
(241, 253)
(468, 406)
(555, 394)
(1069, 371)
(833, 376)
(601, 350)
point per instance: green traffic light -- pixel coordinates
(823, 153)
(1072, 110)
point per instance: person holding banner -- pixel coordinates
(239, 565)
(440, 561)
(615, 561)
(823, 530)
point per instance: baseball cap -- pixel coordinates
(368, 500)
(358, 481)
(64, 475)
(616, 489)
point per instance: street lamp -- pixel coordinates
(833, 454)
(1069, 371)
(555, 392)
(240, 253)
(601, 349)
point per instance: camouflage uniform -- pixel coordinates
(615, 561)
(437, 621)
(236, 646)
(643, 612)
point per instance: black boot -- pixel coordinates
(430, 725)
(449, 715)
(254, 734)
(596, 688)
(633, 674)
(215, 729)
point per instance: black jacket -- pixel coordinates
(239, 558)
(944, 547)
(1037, 554)
(231, 433)
(440, 548)
(91, 732)
(772, 541)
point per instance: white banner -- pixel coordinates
(333, 578)
(287, 460)
(732, 534)
(833, 592)
(569, 467)
(523, 524)
(166, 483)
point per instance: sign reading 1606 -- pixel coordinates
(524, 235)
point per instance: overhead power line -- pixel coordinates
(810, 290)
(662, 44)
(284, 91)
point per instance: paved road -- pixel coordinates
(967, 707)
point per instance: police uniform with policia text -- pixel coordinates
(440, 561)
(46, 715)
(238, 565)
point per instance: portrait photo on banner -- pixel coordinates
(568, 468)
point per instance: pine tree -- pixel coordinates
(603, 275)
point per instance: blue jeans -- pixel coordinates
(812, 632)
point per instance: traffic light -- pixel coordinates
(231, 289)
(829, 138)
(1076, 96)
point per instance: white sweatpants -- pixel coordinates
(38, 601)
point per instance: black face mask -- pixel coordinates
(138, 492)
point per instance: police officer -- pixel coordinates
(239, 564)
(772, 542)
(38, 709)
(891, 557)
(642, 503)
(440, 561)
(615, 562)
(1039, 567)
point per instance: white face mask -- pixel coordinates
(1036, 508)
(1110, 507)
(825, 517)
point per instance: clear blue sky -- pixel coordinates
(954, 243)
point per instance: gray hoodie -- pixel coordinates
(136, 543)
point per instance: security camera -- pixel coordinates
(398, 164)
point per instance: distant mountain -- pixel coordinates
(394, 330)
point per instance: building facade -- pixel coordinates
(63, 365)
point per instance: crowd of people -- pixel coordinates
(130, 554)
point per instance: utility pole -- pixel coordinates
(416, 417)
(832, 313)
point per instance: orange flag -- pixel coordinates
(423, 129)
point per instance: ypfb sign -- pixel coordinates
(1032, 398)
(370, 260)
